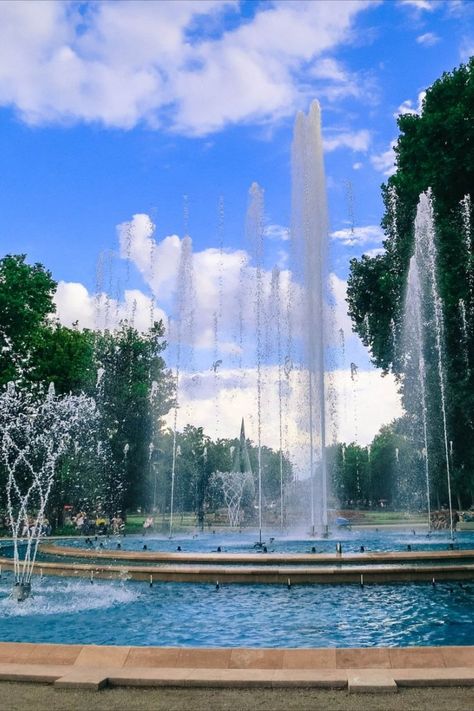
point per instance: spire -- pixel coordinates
(241, 461)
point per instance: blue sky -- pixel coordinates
(112, 109)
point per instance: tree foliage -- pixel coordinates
(435, 150)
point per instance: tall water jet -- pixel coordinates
(414, 365)
(255, 231)
(218, 313)
(354, 370)
(425, 256)
(182, 333)
(309, 233)
(275, 322)
(464, 332)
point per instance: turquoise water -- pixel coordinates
(177, 614)
(372, 540)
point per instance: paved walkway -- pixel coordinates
(375, 670)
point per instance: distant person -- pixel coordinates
(145, 547)
(148, 524)
(179, 549)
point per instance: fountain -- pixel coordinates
(415, 360)
(255, 230)
(309, 234)
(424, 334)
(184, 336)
(235, 482)
(37, 430)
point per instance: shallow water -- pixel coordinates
(351, 540)
(178, 614)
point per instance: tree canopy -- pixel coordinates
(435, 150)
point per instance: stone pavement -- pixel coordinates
(371, 670)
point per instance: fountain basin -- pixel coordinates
(64, 610)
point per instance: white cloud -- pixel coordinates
(223, 287)
(358, 141)
(217, 398)
(218, 403)
(357, 166)
(467, 49)
(428, 39)
(419, 4)
(277, 232)
(336, 82)
(408, 106)
(75, 305)
(359, 235)
(385, 162)
(128, 62)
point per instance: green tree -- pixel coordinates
(135, 391)
(66, 357)
(435, 150)
(26, 303)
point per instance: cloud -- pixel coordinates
(221, 284)
(419, 4)
(75, 305)
(130, 62)
(223, 297)
(467, 49)
(357, 166)
(385, 162)
(335, 82)
(408, 106)
(358, 141)
(359, 235)
(277, 232)
(428, 39)
(217, 403)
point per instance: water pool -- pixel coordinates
(351, 541)
(176, 614)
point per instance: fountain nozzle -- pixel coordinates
(21, 591)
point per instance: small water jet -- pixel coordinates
(37, 430)
(235, 482)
